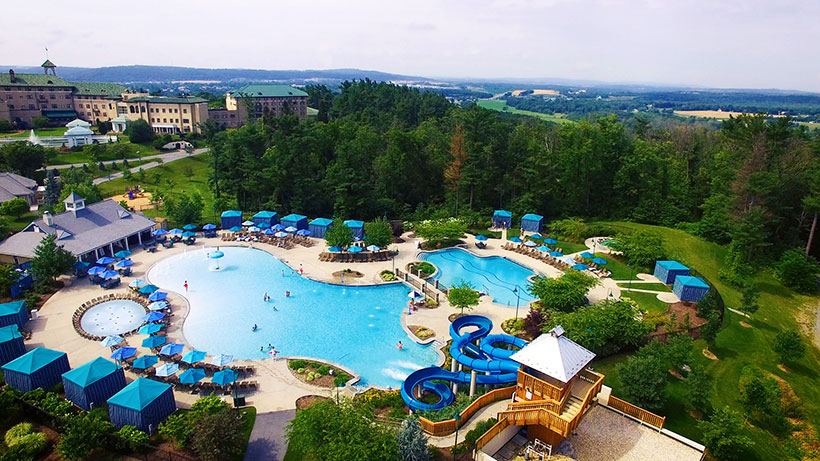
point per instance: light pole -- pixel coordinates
(517, 301)
(455, 445)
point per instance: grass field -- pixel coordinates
(537, 92)
(736, 346)
(16, 225)
(619, 270)
(58, 131)
(647, 301)
(501, 106)
(134, 151)
(100, 173)
(648, 286)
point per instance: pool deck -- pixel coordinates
(278, 388)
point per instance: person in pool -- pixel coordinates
(400, 346)
(254, 327)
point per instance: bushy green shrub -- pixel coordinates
(177, 428)
(323, 370)
(478, 431)
(340, 379)
(796, 271)
(23, 443)
(296, 364)
(132, 438)
(300, 370)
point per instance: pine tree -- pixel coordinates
(52, 195)
(412, 442)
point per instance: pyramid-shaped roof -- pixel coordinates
(139, 394)
(48, 63)
(9, 332)
(12, 308)
(33, 360)
(91, 372)
(555, 355)
(73, 198)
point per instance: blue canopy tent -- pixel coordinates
(295, 220)
(13, 313)
(11, 344)
(38, 368)
(319, 226)
(666, 271)
(265, 218)
(92, 384)
(502, 219)
(357, 227)
(24, 282)
(531, 222)
(689, 288)
(143, 404)
(231, 218)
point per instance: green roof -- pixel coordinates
(32, 80)
(9, 332)
(48, 63)
(267, 91)
(33, 360)
(139, 394)
(99, 88)
(91, 372)
(167, 99)
(12, 308)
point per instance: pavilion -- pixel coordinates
(92, 384)
(38, 368)
(143, 404)
(11, 344)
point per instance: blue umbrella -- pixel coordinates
(290, 229)
(175, 231)
(253, 229)
(334, 249)
(580, 267)
(160, 232)
(96, 270)
(556, 254)
(187, 234)
(148, 289)
(530, 243)
(247, 223)
(110, 274)
(145, 361)
(122, 254)
(216, 254)
(208, 227)
(414, 295)
(278, 227)
(105, 260)
(157, 296)
(268, 231)
(221, 360)
(123, 353)
(138, 283)
(304, 232)
(153, 341)
(124, 263)
(81, 265)
(166, 369)
(516, 240)
(189, 227)
(544, 248)
(481, 237)
(587, 255)
(280, 234)
(373, 248)
(158, 305)
(171, 349)
(193, 356)
(149, 329)
(354, 249)
(109, 341)
(191, 375)
(536, 236)
(550, 241)
(224, 377)
(153, 317)
(236, 229)
(600, 261)
(263, 225)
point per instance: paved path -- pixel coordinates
(169, 157)
(486, 412)
(267, 440)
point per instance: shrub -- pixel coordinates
(295, 364)
(796, 271)
(341, 378)
(177, 428)
(24, 443)
(218, 436)
(323, 370)
(17, 432)
(132, 438)
(565, 293)
(300, 370)
(641, 248)
(644, 379)
(572, 229)
(84, 434)
(722, 434)
(788, 345)
(478, 431)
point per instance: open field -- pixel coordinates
(718, 114)
(501, 106)
(537, 92)
(58, 131)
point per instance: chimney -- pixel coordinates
(48, 219)
(557, 331)
(12, 77)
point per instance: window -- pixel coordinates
(152, 120)
(54, 106)
(96, 106)
(28, 96)
(110, 106)
(51, 96)
(163, 110)
(31, 106)
(142, 108)
(233, 115)
(130, 109)
(184, 111)
(176, 120)
(88, 106)
(185, 120)
(165, 120)
(9, 95)
(11, 106)
(121, 110)
(152, 110)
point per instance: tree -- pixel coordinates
(378, 233)
(565, 293)
(440, 231)
(39, 122)
(6, 126)
(339, 234)
(699, 389)
(24, 158)
(52, 195)
(759, 394)
(103, 127)
(15, 207)
(184, 208)
(709, 330)
(724, 436)
(177, 428)
(132, 438)
(84, 433)
(641, 248)
(644, 381)
(51, 260)
(604, 328)
(8, 277)
(750, 298)
(412, 441)
(797, 271)
(788, 345)
(463, 296)
(139, 132)
(453, 173)
(218, 436)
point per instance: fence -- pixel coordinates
(443, 428)
(636, 412)
(430, 289)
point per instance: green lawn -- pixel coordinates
(100, 173)
(568, 247)
(648, 301)
(58, 131)
(736, 346)
(620, 271)
(648, 286)
(135, 151)
(501, 106)
(248, 419)
(16, 225)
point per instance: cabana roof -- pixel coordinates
(689, 281)
(555, 355)
(265, 214)
(12, 308)
(139, 394)
(502, 213)
(33, 360)
(531, 217)
(294, 217)
(322, 222)
(9, 333)
(91, 372)
(672, 265)
(231, 214)
(354, 223)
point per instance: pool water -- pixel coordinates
(357, 327)
(494, 275)
(112, 317)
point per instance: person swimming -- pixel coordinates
(400, 346)
(287, 293)
(254, 327)
(266, 298)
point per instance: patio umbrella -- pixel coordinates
(354, 249)
(216, 254)
(568, 260)
(96, 270)
(145, 361)
(124, 263)
(221, 360)
(187, 234)
(157, 306)
(208, 226)
(481, 237)
(153, 341)
(544, 248)
(149, 328)
(236, 229)
(530, 243)
(224, 377)
(414, 295)
(159, 232)
(153, 317)
(253, 229)
(280, 234)
(171, 349)
(373, 248)
(175, 231)
(550, 241)
(122, 254)
(247, 223)
(81, 265)
(157, 296)
(124, 353)
(191, 375)
(193, 356)
(105, 260)
(148, 289)
(138, 283)
(278, 227)
(110, 274)
(290, 229)
(587, 255)
(599, 261)
(580, 267)
(109, 341)
(334, 249)
(303, 232)
(268, 231)
(536, 236)
(166, 369)
(189, 227)
(556, 254)
(516, 240)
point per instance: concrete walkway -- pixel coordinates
(489, 411)
(267, 440)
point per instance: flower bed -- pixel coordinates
(421, 332)
(318, 374)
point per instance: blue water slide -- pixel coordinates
(483, 357)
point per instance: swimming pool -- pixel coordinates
(112, 317)
(358, 327)
(494, 275)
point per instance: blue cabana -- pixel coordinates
(666, 271)
(689, 288)
(265, 218)
(38, 368)
(13, 313)
(295, 220)
(319, 226)
(231, 218)
(143, 404)
(24, 282)
(502, 219)
(11, 344)
(357, 227)
(532, 222)
(92, 384)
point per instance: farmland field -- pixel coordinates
(501, 106)
(537, 92)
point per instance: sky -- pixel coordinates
(706, 43)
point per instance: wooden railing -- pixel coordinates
(443, 428)
(637, 412)
(538, 387)
(550, 405)
(491, 433)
